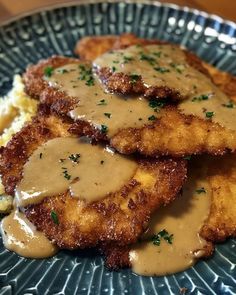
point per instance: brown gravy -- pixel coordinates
(21, 237)
(184, 219)
(98, 107)
(90, 172)
(166, 65)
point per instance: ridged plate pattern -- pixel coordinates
(56, 31)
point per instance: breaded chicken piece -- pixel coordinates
(89, 48)
(120, 82)
(225, 81)
(120, 217)
(221, 223)
(170, 134)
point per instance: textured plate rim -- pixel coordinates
(51, 7)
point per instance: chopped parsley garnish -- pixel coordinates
(127, 59)
(40, 155)
(200, 97)
(163, 234)
(161, 70)
(152, 118)
(63, 71)
(209, 114)
(113, 69)
(104, 128)
(229, 105)
(66, 175)
(158, 54)
(187, 158)
(151, 60)
(201, 190)
(156, 105)
(108, 115)
(102, 102)
(115, 61)
(54, 217)
(134, 78)
(86, 74)
(74, 158)
(48, 71)
(179, 68)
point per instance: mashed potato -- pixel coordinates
(15, 109)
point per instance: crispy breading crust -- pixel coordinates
(169, 135)
(89, 48)
(221, 222)
(120, 217)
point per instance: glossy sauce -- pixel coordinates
(90, 172)
(98, 107)
(184, 219)
(21, 237)
(166, 65)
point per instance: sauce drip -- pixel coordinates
(166, 65)
(98, 107)
(90, 172)
(184, 219)
(21, 237)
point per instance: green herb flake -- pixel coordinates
(65, 174)
(201, 190)
(162, 70)
(115, 61)
(152, 118)
(104, 128)
(229, 105)
(108, 115)
(151, 60)
(163, 234)
(113, 69)
(200, 97)
(54, 217)
(74, 158)
(48, 71)
(158, 54)
(86, 74)
(127, 59)
(102, 102)
(187, 158)
(134, 78)
(209, 114)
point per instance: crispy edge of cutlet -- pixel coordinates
(121, 217)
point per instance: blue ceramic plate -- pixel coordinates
(56, 31)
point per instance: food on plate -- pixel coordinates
(150, 99)
(15, 109)
(130, 124)
(207, 205)
(96, 194)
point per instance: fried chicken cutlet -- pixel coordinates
(158, 131)
(119, 217)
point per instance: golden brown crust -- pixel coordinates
(225, 81)
(120, 217)
(90, 48)
(221, 222)
(171, 134)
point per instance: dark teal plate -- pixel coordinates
(56, 31)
